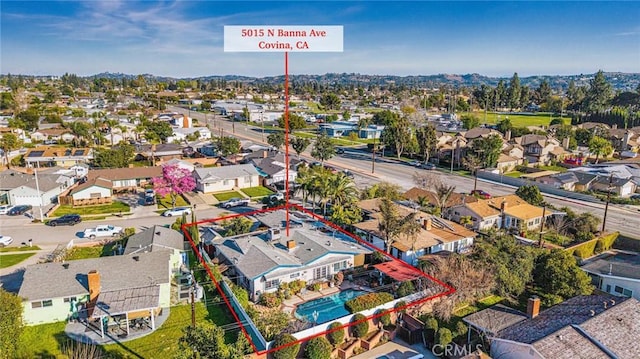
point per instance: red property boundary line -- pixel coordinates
(447, 288)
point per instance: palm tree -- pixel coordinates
(472, 163)
(111, 124)
(342, 189)
(443, 193)
(392, 224)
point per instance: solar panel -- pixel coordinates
(78, 153)
(35, 154)
(67, 152)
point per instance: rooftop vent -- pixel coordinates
(65, 265)
(136, 258)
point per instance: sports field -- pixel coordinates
(517, 119)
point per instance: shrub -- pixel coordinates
(289, 352)
(318, 348)
(606, 242)
(461, 329)
(296, 286)
(129, 231)
(339, 278)
(400, 304)
(405, 289)
(316, 287)
(270, 300)
(385, 318)
(430, 329)
(444, 336)
(368, 301)
(241, 295)
(337, 337)
(361, 329)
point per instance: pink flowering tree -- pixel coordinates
(175, 181)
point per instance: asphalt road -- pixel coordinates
(625, 219)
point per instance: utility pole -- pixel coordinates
(35, 171)
(373, 156)
(544, 212)
(606, 207)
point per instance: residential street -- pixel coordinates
(625, 219)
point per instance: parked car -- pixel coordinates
(415, 163)
(235, 202)
(178, 211)
(19, 210)
(428, 166)
(66, 220)
(635, 197)
(347, 173)
(276, 197)
(149, 193)
(480, 193)
(102, 231)
(339, 150)
(149, 200)
(4, 209)
(5, 241)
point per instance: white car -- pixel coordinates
(102, 231)
(178, 211)
(5, 208)
(5, 240)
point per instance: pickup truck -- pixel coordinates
(235, 202)
(102, 231)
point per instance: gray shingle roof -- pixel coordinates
(154, 239)
(225, 172)
(12, 179)
(52, 280)
(619, 264)
(494, 319)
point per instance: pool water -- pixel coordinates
(329, 308)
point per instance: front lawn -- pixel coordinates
(514, 174)
(225, 196)
(42, 341)
(165, 202)
(19, 249)
(553, 168)
(8, 260)
(115, 207)
(255, 192)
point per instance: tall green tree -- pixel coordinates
(330, 101)
(300, 144)
(323, 148)
(117, 157)
(557, 273)
(204, 341)
(228, 145)
(514, 92)
(30, 118)
(543, 93)
(392, 224)
(287, 352)
(500, 96)
(599, 93)
(531, 194)
(600, 146)
(11, 324)
(296, 122)
(160, 130)
(9, 142)
(487, 149)
(470, 121)
(276, 139)
(397, 135)
(427, 140)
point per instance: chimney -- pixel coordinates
(503, 205)
(291, 244)
(507, 136)
(186, 123)
(93, 279)
(533, 307)
(565, 143)
(427, 224)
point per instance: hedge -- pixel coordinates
(361, 329)
(318, 348)
(594, 246)
(368, 301)
(289, 352)
(336, 337)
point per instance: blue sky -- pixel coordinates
(185, 39)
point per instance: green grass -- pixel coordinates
(514, 174)
(225, 196)
(19, 249)
(518, 120)
(165, 202)
(115, 207)
(42, 341)
(482, 304)
(553, 168)
(8, 260)
(259, 191)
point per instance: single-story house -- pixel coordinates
(164, 151)
(52, 134)
(273, 168)
(57, 156)
(126, 179)
(181, 134)
(261, 261)
(615, 272)
(435, 234)
(622, 187)
(19, 188)
(96, 288)
(226, 178)
(94, 191)
(566, 180)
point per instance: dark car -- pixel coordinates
(428, 166)
(149, 200)
(339, 150)
(480, 193)
(18, 210)
(66, 220)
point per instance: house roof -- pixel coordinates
(53, 280)
(516, 207)
(566, 177)
(495, 318)
(254, 255)
(576, 310)
(56, 152)
(159, 149)
(480, 132)
(482, 209)
(615, 263)
(126, 300)
(154, 239)
(117, 174)
(97, 182)
(214, 174)
(53, 131)
(531, 139)
(11, 179)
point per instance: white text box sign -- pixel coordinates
(303, 38)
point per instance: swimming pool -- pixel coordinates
(329, 308)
